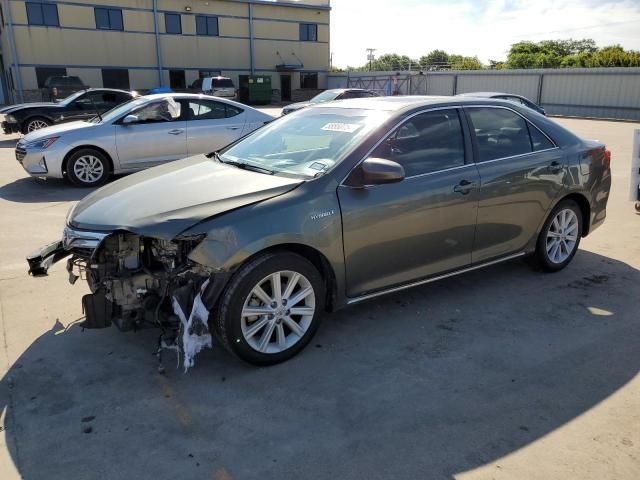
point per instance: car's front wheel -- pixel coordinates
(33, 124)
(87, 168)
(560, 237)
(271, 308)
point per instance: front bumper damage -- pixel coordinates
(139, 282)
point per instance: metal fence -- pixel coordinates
(581, 92)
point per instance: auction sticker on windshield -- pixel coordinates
(341, 127)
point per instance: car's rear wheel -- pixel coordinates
(271, 308)
(88, 168)
(560, 237)
(33, 124)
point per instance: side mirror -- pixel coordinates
(129, 119)
(376, 171)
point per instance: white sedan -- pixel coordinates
(139, 134)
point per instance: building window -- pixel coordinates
(177, 79)
(115, 78)
(309, 80)
(206, 25)
(42, 73)
(308, 32)
(42, 14)
(173, 23)
(109, 19)
(209, 73)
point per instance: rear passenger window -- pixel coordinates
(500, 133)
(210, 110)
(426, 143)
(539, 140)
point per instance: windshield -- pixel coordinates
(116, 112)
(222, 83)
(325, 96)
(71, 98)
(308, 144)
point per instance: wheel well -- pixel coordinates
(33, 117)
(317, 259)
(90, 147)
(585, 208)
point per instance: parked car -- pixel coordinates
(56, 88)
(339, 203)
(517, 99)
(29, 117)
(144, 132)
(330, 95)
(216, 86)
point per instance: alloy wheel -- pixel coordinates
(88, 168)
(36, 125)
(278, 312)
(562, 236)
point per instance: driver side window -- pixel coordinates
(428, 142)
(155, 113)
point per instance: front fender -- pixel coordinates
(295, 219)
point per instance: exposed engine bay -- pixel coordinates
(139, 282)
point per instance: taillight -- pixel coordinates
(607, 158)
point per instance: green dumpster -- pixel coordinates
(255, 89)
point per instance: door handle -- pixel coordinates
(233, 128)
(555, 167)
(464, 187)
(177, 131)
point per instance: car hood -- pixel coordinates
(59, 130)
(164, 201)
(23, 106)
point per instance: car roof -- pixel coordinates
(158, 96)
(402, 103)
(486, 94)
(342, 90)
(388, 103)
(106, 90)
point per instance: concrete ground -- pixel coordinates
(503, 373)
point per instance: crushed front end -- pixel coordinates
(139, 282)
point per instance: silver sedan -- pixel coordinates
(136, 135)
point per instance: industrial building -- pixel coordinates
(142, 44)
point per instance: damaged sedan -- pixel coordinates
(246, 247)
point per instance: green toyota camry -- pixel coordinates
(249, 246)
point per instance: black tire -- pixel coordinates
(226, 319)
(85, 155)
(541, 258)
(29, 123)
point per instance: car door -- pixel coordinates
(521, 173)
(156, 136)
(212, 125)
(82, 108)
(423, 225)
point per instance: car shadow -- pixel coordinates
(426, 383)
(9, 143)
(39, 190)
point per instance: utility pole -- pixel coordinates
(371, 56)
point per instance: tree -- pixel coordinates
(569, 54)
(435, 57)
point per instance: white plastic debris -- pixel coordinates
(196, 334)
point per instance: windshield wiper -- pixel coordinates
(243, 166)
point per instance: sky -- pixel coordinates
(481, 28)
